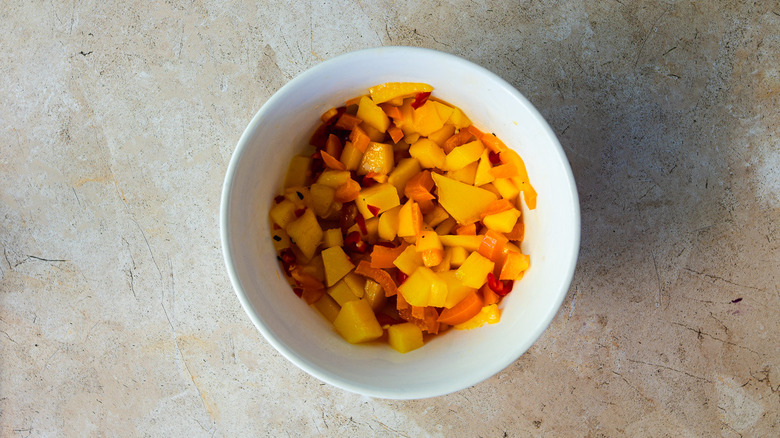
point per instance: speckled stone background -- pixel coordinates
(117, 121)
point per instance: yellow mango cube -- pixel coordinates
(444, 265)
(299, 196)
(463, 155)
(377, 158)
(470, 243)
(488, 315)
(298, 171)
(428, 240)
(458, 255)
(435, 216)
(503, 222)
(351, 156)
(357, 323)
(404, 337)
(456, 290)
(332, 238)
(444, 111)
(342, 293)
(446, 226)
(426, 119)
(280, 240)
(374, 294)
(473, 272)
(328, 307)
(459, 119)
(321, 198)
(333, 178)
(466, 175)
(306, 233)
(372, 227)
(283, 213)
(506, 187)
(403, 172)
(440, 136)
(382, 196)
(369, 112)
(409, 260)
(336, 263)
(463, 202)
(409, 220)
(483, 174)
(424, 288)
(387, 228)
(393, 90)
(356, 283)
(428, 153)
(373, 133)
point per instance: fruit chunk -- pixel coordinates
(404, 337)
(470, 243)
(426, 119)
(298, 171)
(370, 113)
(306, 233)
(463, 311)
(487, 315)
(342, 293)
(409, 220)
(473, 272)
(424, 288)
(503, 222)
(351, 156)
(492, 246)
(388, 224)
(391, 90)
(403, 172)
(336, 263)
(328, 307)
(332, 237)
(464, 155)
(458, 255)
(483, 174)
(462, 201)
(357, 323)
(333, 178)
(514, 266)
(283, 213)
(409, 260)
(456, 290)
(321, 198)
(374, 294)
(428, 153)
(377, 158)
(380, 197)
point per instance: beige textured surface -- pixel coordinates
(116, 125)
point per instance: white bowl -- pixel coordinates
(456, 359)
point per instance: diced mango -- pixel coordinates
(462, 201)
(483, 174)
(387, 227)
(372, 227)
(463, 155)
(409, 220)
(373, 133)
(328, 307)
(503, 222)
(459, 119)
(405, 337)
(458, 255)
(283, 213)
(300, 196)
(351, 156)
(409, 260)
(392, 90)
(332, 238)
(374, 294)
(424, 288)
(403, 172)
(336, 263)
(321, 198)
(515, 263)
(470, 243)
(444, 265)
(432, 257)
(357, 283)
(382, 196)
(426, 119)
(306, 233)
(378, 158)
(446, 226)
(357, 323)
(444, 111)
(428, 240)
(488, 315)
(506, 187)
(473, 272)
(342, 293)
(428, 153)
(436, 216)
(466, 175)
(298, 171)
(333, 178)
(369, 112)
(456, 290)
(440, 136)
(280, 240)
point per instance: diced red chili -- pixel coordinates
(361, 221)
(494, 158)
(500, 287)
(298, 291)
(420, 99)
(373, 209)
(401, 277)
(385, 319)
(279, 199)
(299, 212)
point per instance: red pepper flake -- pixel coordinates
(420, 99)
(287, 256)
(352, 238)
(373, 209)
(361, 221)
(499, 287)
(494, 158)
(279, 199)
(736, 301)
(299, 212)
(401, 277)
(298, 291)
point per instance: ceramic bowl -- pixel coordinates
(456, 359)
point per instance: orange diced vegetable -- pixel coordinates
(517, 232)
(463, 311)
(353, 101)
(380, 276)
(493, 143)
(333, 146)
(311, 296)
(426, 206)
(514, 265)
(456, 140)
(497, 206)
(347, 122)
(467, 230)
(508, 170)
(331, 161)
(395, 133)
(492, 246)
(419, 187)
(392, 111)
(475, 132)
(347, 192)
(383, 257)
(488, 296)
(328, 115)
(359, 138)
(432, 257)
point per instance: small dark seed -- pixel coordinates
(300, 195)
(277, 238)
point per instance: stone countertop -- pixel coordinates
(117, 122)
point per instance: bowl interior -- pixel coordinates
(447, 363)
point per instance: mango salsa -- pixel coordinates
(403, 218)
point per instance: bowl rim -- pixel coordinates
(303, 363)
